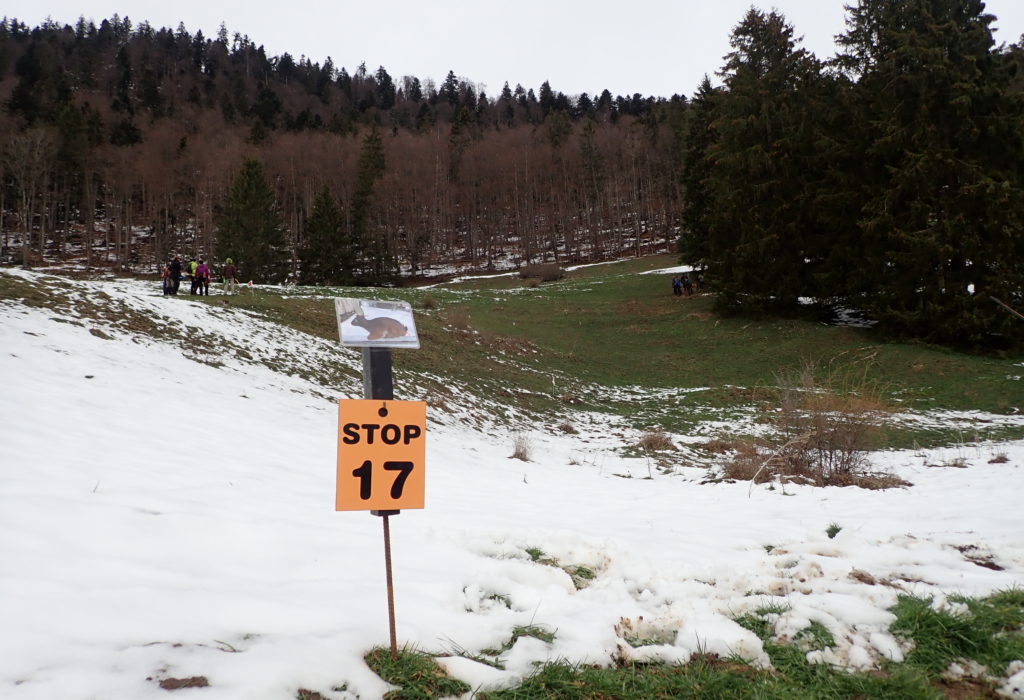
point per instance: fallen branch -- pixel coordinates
(1007, 307)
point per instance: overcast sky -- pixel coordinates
(654, 47)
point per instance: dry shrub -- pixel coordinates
(428, 302)
(656, 441)
(825, 429)
(545, 272)
(568, 428)
(746, 463)
(521, 447)
(718, 446)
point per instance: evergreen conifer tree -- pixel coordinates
(700, 135)
(329, 254)
(764, 156)
(377, 263)
(249, 227)
(943, 211)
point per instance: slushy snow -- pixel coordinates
(166, 511)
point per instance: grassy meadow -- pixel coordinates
(607, 338)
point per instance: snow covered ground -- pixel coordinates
(167, 512)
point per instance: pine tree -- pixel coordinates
(943, 211)
(449, 90)
(700, 135)
(329, 254)
(764, 156)
(459, 138)
(385, 89)
(377, 263)
(547, 98)
(249, 227)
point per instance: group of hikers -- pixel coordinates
(687, 284)
(199, 274)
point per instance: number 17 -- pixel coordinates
(365, 473)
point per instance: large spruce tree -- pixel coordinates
(249, 227)
(943, 210)
(759, 213)
(329, 254)
(377, 263)
(700, 135)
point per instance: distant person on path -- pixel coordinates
(677, 286)
(192, 265)
(175, 274)
(688, 285)
(202, 278)
(700, 282)
(168, 284)
(230, 275)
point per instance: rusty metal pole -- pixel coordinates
(391, 588)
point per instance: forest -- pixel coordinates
(887, 178)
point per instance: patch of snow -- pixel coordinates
(167, 511)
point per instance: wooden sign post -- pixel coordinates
(381, 442)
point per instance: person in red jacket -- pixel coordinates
(230, 275)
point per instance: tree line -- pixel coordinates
(888, 179)
(129, 143)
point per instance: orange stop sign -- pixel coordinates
(381, 454)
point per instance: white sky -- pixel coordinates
(654, 47)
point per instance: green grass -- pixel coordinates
(710, 677)
(535, 631)
(581, 341)
(416, 674)
(992, 633)
(609, 340)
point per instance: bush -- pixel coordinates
(546, 272)
(824, 433)
(521, 448)
(657, 441)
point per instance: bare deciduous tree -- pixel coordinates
(28, 157)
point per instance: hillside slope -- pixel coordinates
(167, 512)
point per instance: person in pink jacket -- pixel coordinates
(203, 278)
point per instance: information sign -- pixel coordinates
(381, 454)
(371, 323)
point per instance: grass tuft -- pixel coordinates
(536, 553)
(656, 441)
(417, 674)
(522, 448)
(990, 633)
(519, 631)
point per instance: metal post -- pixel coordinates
(377, 384)
(391, 588)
